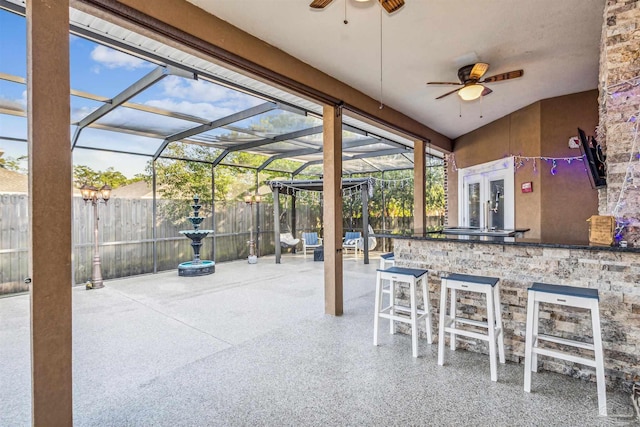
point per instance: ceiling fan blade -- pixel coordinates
(448, 93)
(504, 76)
(486, 91)
(391, 5)
(478, 70)
(320, 4)
(444, 83)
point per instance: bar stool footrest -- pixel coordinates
(471, 322)
(564, 356)
(465, 333)
(564, 341)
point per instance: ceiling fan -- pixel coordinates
(472, 86)
(389, 5)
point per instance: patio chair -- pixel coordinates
(310, 241)
(351, 240)
(287, 241)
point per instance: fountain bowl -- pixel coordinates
(191, 268)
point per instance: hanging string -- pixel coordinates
(381, 104)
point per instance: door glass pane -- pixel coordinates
(496, 206)
(473, 200)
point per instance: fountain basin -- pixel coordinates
(201, 268)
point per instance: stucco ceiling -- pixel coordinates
(556, 43)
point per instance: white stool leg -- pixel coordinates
(491, 321)
(599, 356)
(392, 302)
(528, 346)
(378, 304)
(414, 317)
(536, 326)
(427, 307)
(441, 325)
(452, 314)
(500, 337)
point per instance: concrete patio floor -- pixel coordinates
(251, 345)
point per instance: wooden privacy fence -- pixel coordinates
(127, 242)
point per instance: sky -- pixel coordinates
(102, 71)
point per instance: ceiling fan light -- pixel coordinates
(471, 92)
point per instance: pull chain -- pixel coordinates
(381, 104)
(346, 21)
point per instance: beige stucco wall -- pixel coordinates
(559, 204)
(568, 199)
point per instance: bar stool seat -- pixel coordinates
(569, 296)
(490, 288)
(399, 313)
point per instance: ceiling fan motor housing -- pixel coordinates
(464, 73)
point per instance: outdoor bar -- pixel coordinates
(518, 263)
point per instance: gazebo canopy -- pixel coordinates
(290, 186)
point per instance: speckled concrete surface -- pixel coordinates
(250, 345)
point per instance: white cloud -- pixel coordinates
(203, 91)
(112, 58)
(203, 110)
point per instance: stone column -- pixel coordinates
(619, 109)
(50, 193)
(332, 209)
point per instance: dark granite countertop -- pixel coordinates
(515, 241)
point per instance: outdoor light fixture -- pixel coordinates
(471, 92)
(250, 200)
(95, 196)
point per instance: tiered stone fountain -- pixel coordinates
(197, 267)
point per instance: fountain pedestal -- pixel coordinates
(197, 267)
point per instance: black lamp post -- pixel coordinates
(95, 196)
(250, 200)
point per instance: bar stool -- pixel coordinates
(393, 311)
(495, 332)
(569, 296)
(387, 260)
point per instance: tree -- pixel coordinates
(83, 174)
(11, 163)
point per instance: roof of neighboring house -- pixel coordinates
(137, 190)
(13, 182)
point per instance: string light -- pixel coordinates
(521, 161)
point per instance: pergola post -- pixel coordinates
(332, 209)
(50, 247)
(419, 193)
(293, 217)
(276, 223)
(365, 221)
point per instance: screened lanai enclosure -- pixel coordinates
(181, 125)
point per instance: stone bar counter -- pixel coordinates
(518, 262)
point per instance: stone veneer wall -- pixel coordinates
(615, 274)
(619, 106)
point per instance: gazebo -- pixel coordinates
(292, 187)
